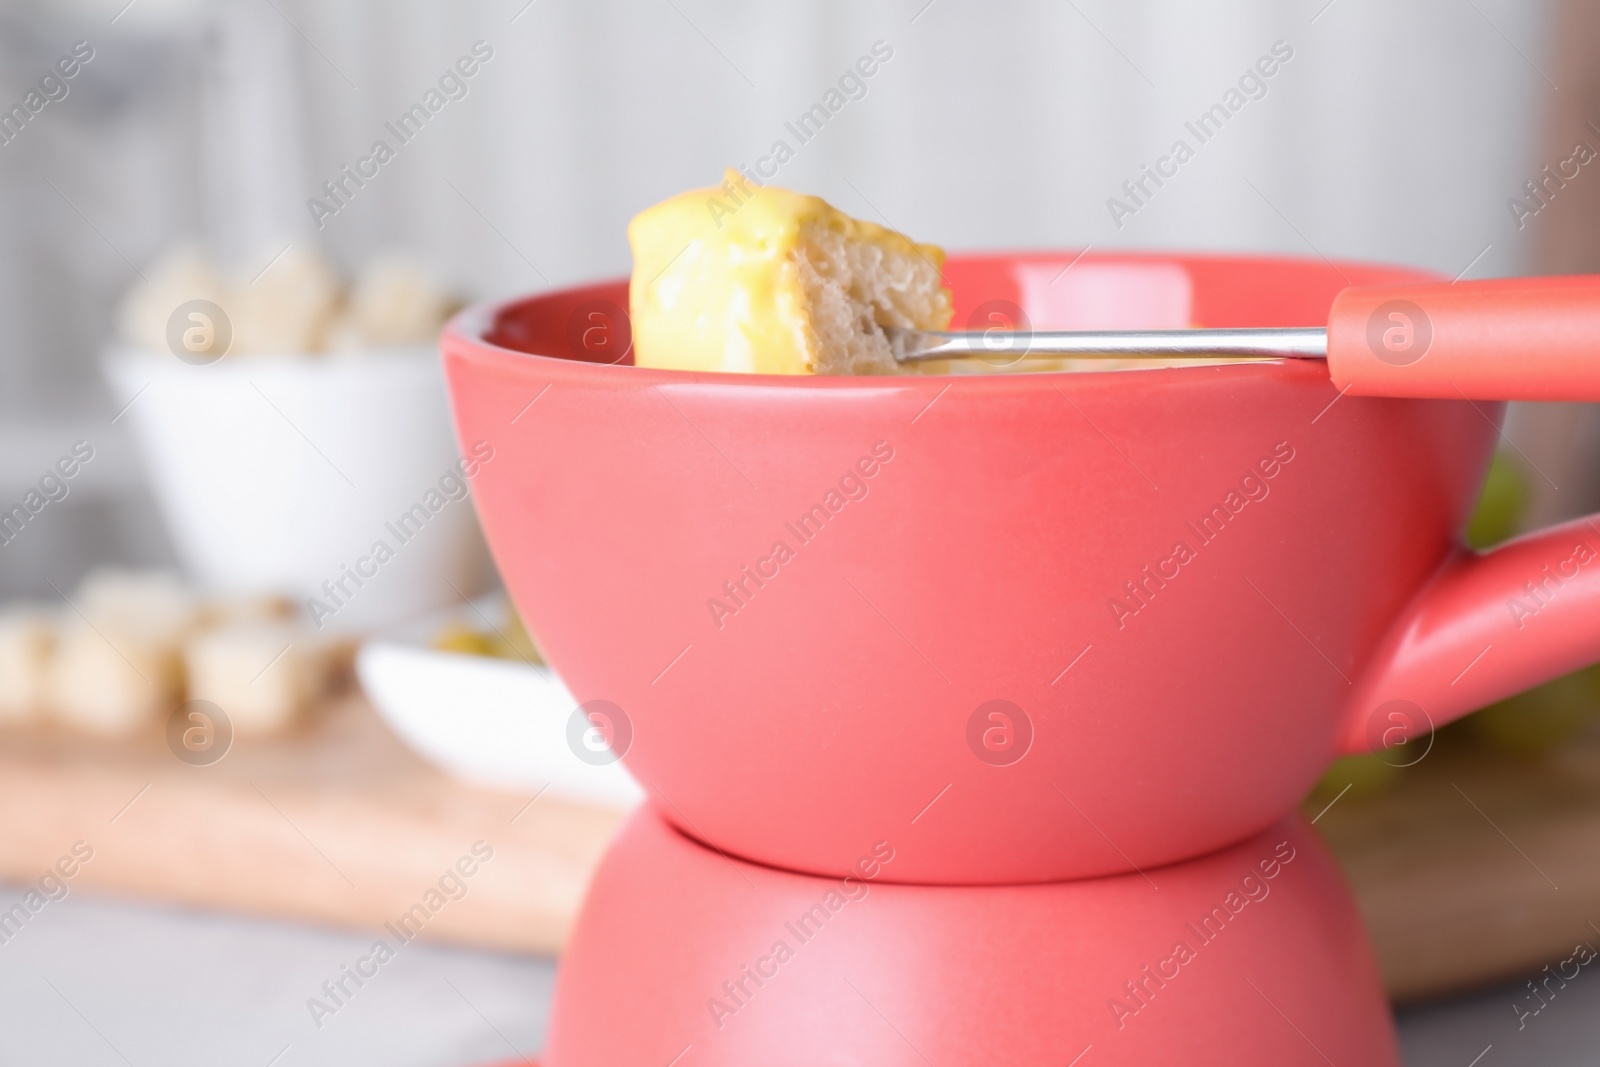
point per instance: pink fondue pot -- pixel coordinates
(1027, 627)
(1254, 954)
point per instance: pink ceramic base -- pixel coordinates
(1253, 955)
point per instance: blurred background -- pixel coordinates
(1405, 133)
(1395, 134)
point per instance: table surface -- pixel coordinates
(93, 980)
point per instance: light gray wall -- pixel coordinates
(1396, 132)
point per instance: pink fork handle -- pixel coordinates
(1502, 339)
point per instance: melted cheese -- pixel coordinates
(727, 279)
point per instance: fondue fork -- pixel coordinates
(1499, 339)
(927, 346)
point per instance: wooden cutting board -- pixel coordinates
(340, 824)
(1474, 866)
(1471, 868)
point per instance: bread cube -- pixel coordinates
(27, 641)
(182, 275)
(264, 675)
(395, 301)
(762, 280)
(116, 668)
(112, 677)
(289, 308)
(155, 603)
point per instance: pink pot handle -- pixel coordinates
(1487, 626)
(1501, 339)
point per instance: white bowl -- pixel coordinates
(493, 722)
(279, 472)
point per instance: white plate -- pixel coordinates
(494, 722)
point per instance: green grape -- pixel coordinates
(1532, 723)
(1365, 774)
(1500, 508)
